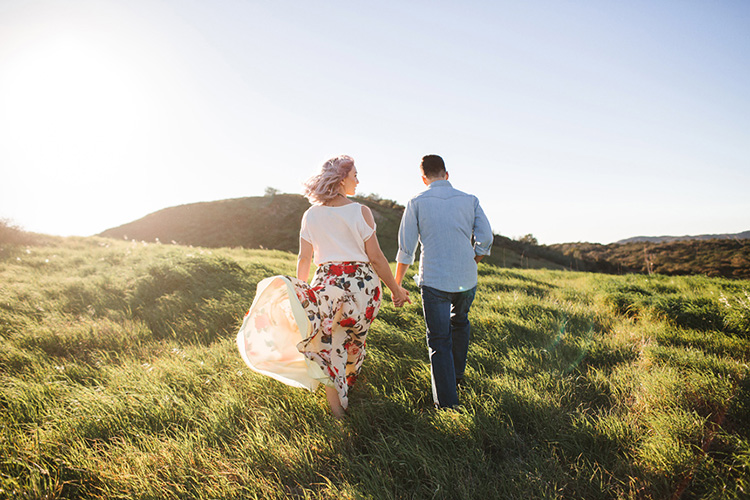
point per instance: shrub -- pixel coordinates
(700, 313)
(194, 299)
(10, 234)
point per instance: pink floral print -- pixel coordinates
(341, 303)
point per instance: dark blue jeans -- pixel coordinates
(446, 315)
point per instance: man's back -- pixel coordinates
(444, 220)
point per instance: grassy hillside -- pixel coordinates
(272, 222)
(121, 379)
(254, 222)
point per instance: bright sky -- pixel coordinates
(571, 120)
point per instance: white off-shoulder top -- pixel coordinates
(337, 234)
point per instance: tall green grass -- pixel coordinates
(120, 379)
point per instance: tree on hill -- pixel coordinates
(529, 239)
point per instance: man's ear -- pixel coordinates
(426, 182)
(446, 175)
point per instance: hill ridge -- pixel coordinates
(744, 235)
(273, 222)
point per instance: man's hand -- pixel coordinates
(477, 258)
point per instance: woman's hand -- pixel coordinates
(400, 296)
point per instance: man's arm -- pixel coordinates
(408, 238)
(400, 272)
(483, 237)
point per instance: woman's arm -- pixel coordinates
(380, 263)
(304, 259)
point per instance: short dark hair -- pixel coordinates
(433, 166)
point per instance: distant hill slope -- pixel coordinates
(718, 257)
(273, 222)
(241, 222)
(664, 239)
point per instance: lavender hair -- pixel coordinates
(325, 186)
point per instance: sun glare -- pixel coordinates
(100, 105)
(66, 96)
(72, 108)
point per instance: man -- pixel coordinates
(444, 220)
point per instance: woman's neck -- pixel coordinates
(338, 201)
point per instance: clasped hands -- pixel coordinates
(400, 296)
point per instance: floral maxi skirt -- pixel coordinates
(304, 335)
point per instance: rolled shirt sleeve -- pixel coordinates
(408, 235)
(483, 237)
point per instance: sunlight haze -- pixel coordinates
(573, 121)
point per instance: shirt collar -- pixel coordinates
(439, 183)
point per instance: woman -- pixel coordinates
(334, 312)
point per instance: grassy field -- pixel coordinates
(121, 379)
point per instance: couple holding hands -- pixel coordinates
(307, 334)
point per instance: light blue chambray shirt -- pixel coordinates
(443, 220)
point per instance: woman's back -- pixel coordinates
(337, 234)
